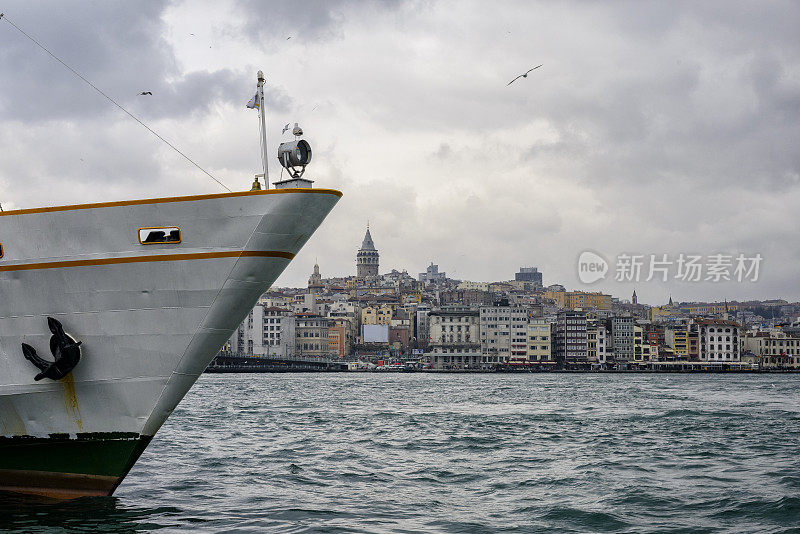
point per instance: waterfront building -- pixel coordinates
(503, 332)
(622, 338)
(399, 337)
(246, 340)
(311, 335)
(539, 342)
(569, 334)
(267, 331)
(279, 331)
(367, 258)
(335, 342)
(340, 337)
(694, 345)
(597, 342)
(642, 349)
(774, 350)
(654, 334)
(719, 340)
(677, 338)
(454, 338)
(421, 322)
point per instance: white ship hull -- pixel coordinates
(150, 319)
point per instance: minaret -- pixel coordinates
(634, 300)
(315, 280)
(367, 258)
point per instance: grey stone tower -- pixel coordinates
(367, 258)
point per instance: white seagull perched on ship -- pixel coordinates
(522, 75)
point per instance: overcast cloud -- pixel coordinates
(652, 128)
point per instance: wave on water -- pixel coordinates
(461, 453)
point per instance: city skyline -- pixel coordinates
(549, 279)
(431, 322)
(650, 128)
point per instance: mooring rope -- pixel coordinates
(93, 86)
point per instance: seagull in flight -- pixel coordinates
(285, 128)
(143, 93)
(522, 75)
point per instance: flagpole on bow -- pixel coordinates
(262, 113)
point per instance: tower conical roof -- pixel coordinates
(367, 244)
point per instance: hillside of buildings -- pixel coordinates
(439, 323)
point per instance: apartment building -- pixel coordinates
(597, 342)
(719, 340)
(454, 338)
(539, 342)
(503, 332)
(775, 350)
(311, 336)
(622, 338)
(570, 342)
(267, 331)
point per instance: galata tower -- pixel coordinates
(367, 258)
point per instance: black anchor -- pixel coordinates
(66, 351)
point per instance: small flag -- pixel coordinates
(253, 104)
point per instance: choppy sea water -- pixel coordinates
(459, 453)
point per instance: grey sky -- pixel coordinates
(652, 128)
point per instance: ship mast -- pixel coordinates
(262, 114)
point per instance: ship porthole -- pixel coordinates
(164, 235)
